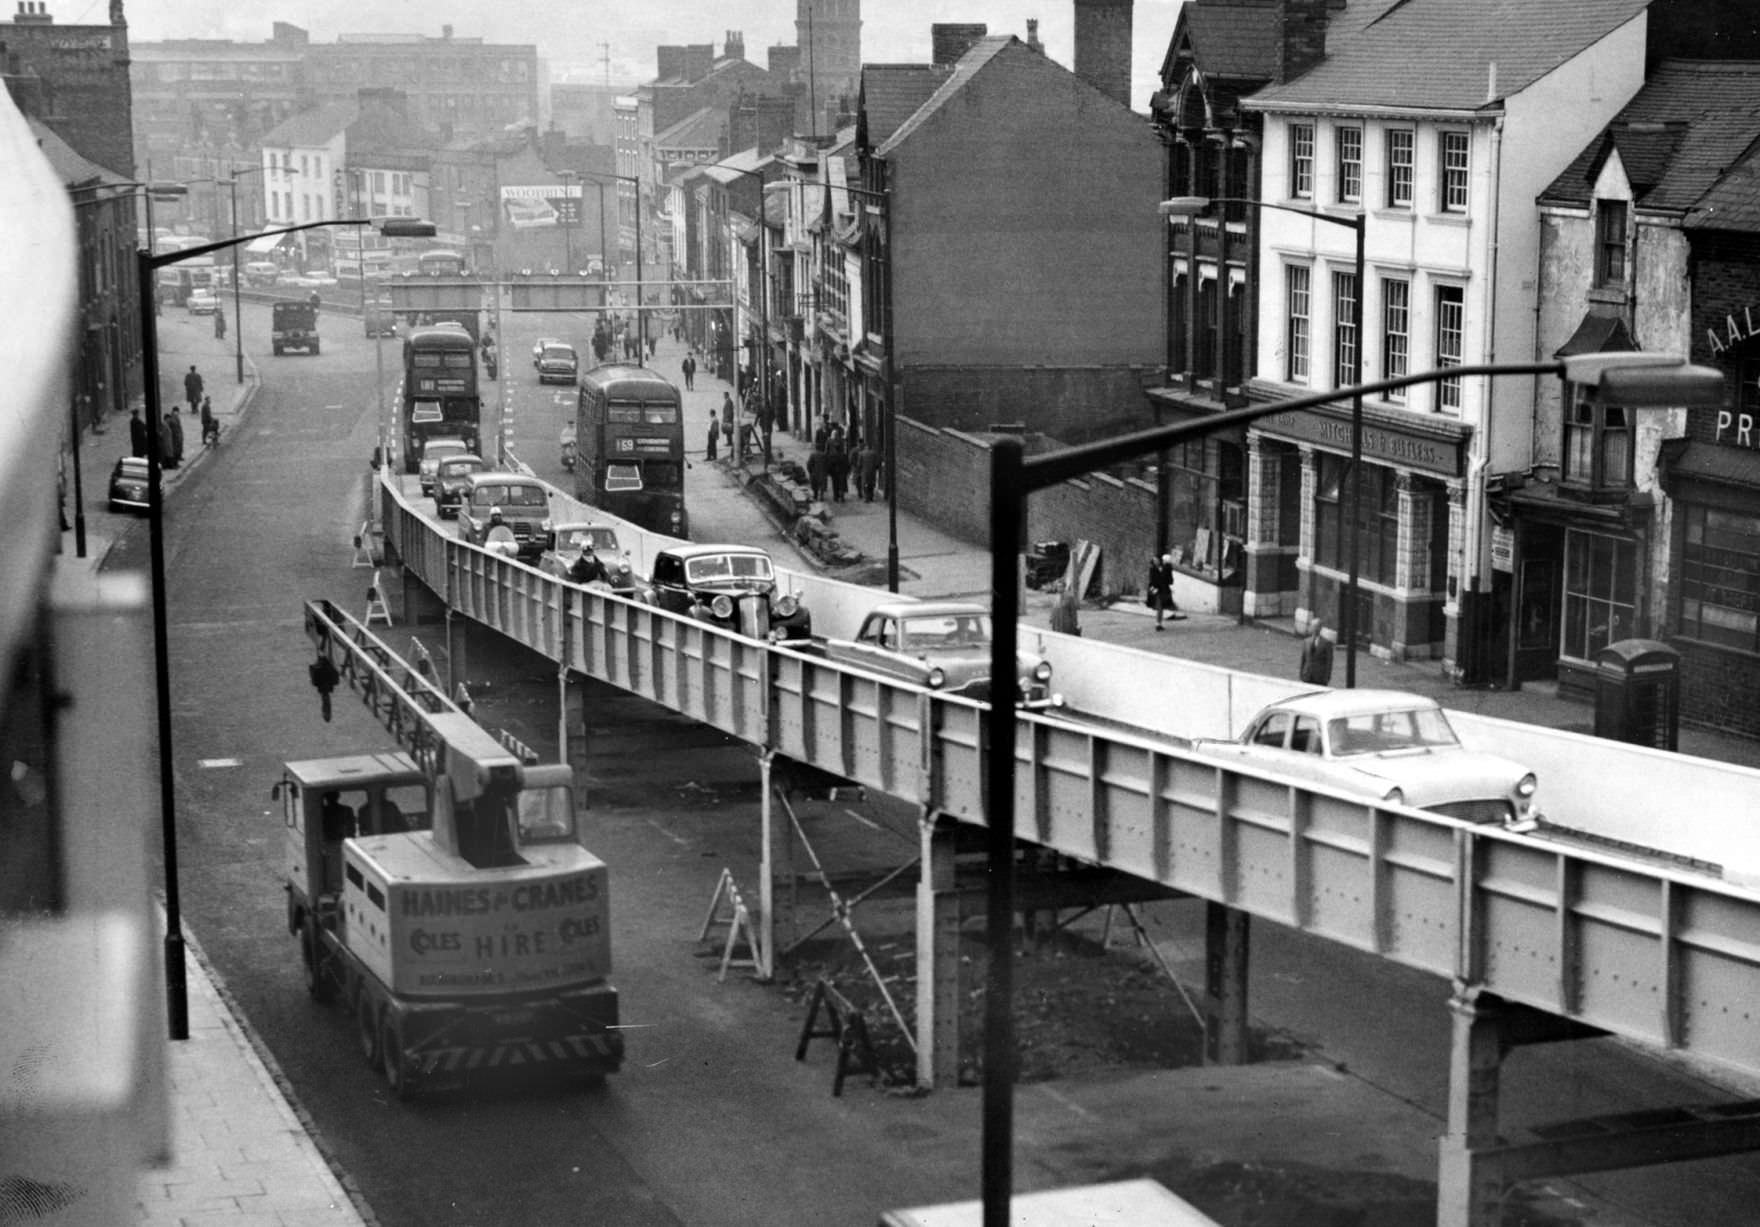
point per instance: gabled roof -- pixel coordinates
(70, 165)
(970, 64)
(318, 126)
(1239, 41)
(701, 129)
(1438, 54)
(891, 94)
(1676, 138)
(1733, 203)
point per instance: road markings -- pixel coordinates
(209, 763)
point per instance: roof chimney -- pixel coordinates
(736, 45)
(948, 40)
(1302, 24)
(1033, 34)
(33, 13)
(1103, 47)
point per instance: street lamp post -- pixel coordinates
(1190, 207)
(568, 177)
(1630, 380)
(237, 302)
(147, 265)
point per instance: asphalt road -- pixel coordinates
(711, 1122)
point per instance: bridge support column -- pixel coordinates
(457, 651)
(1470, 1182)
(419, 603)
(1227, 932)
(571, 732)
(938, 961)
(772, 835)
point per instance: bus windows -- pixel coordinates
(622, 478)
(659, 415)
(626, 413)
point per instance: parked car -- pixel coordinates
(558, 363)
(128, 484)
(202, 302)
(567, 541)
(733, 586)
(1388, 745)
(434, 451)
(524, 504)
(451, 477)
(944, 645)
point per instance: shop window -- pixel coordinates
(1598, 446)
(1299, 308)
(1301, 161)
(1350, 164)
(1610, 243)
(1600, 586)
(1720, 577)
(1399, 168)
(1377, 526)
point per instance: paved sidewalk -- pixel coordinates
(242, 1154)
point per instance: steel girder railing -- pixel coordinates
(1651, 952)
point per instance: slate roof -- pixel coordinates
(892, 93)
(1437, 54)
(701, 129)
(1678, 139)
(71, 166)
(1733, 203)
(1230, 40)
(314, 127)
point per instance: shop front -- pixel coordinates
(1303, 512)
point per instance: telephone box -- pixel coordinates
(1637, 693)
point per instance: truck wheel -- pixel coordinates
(391, 1058)
(366, 1027)
(311, 949)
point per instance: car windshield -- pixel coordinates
(574, 538)
(561, 352)
(132, 468)
(720, 568)
(947, 630)
(512, 495)
(1378, 732)
(545, 814)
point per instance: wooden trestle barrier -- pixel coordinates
(845, 1024)
(738, 919)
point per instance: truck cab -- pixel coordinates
(293, 325)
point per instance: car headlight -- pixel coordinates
(544, 525)
(1042, 671)
(786, 606)
(1527, 785)
(1396, 796)
(936, 679)
(677, 517)
(722, 606)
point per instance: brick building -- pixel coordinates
(75, 79)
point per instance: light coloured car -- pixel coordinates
(558, 363)
(569, 538)
(433, 452)
(1388, 745)
(202, 302)
(943, 645)
(539, 345)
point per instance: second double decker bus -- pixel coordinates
(629, 447)
(439, 395)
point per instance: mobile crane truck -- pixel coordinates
(440, 892)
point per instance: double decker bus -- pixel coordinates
(176, 282)
(439, 394)
(629, 447)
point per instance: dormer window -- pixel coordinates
(1610, 244)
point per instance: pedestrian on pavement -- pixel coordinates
(867, 469)
(192, 388)
(170, 440)
(689, 366)
(822, 435)
(137, 433)
(210, 427)
(1161, 588)
(324, 678)
(816, 473)
(653, 347)
(1317, 655)
(714, 436)
(727, 425)
(219, 324)
(837, 465)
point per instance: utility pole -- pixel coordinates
(605, 59)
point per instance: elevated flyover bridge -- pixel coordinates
(1541, 938)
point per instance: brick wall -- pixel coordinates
(1717, 689)
(86, 94)
(1072, 403)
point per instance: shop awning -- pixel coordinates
(265, 243)
(1597, 334)
(1738, 467)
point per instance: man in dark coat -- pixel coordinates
(837, 464)
(192, 388)
(137, 434)
(867, 469)
(1316, 669)
(175, 425)
(816, 473)
(1161, 588)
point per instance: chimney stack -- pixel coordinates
(948, 40)
(736, 45)
(1103, 47)
(1302, 30)
(1033, 35)
(669, 62)
(33, 13)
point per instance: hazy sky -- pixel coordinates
(569, 34)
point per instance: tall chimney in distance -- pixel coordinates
(1103, 46)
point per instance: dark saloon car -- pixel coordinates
(128, 484)
(451, 476)
(733, 586)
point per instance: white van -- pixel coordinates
(262, 272)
